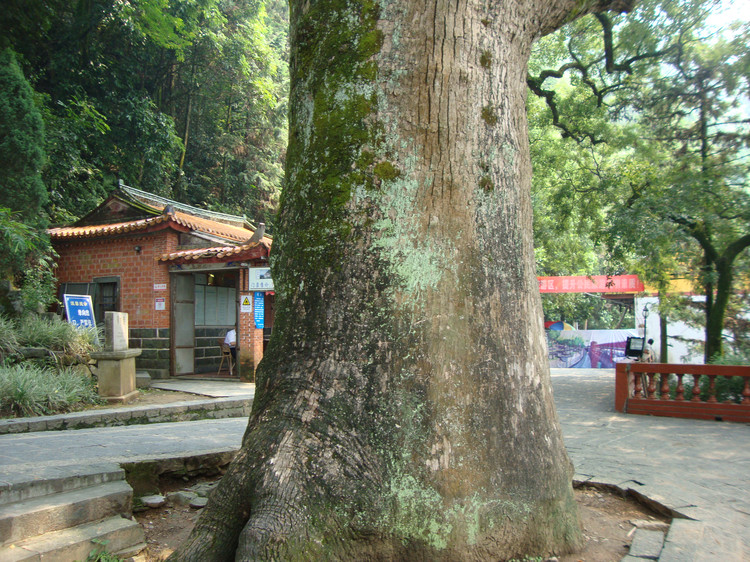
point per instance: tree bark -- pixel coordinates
(403, 409)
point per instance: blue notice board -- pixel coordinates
(80, 310)
(259, 309)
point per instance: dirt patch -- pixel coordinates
(606, 516)
(607, 524)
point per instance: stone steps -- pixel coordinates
(67, 517)
(118, 535)
(53, 480)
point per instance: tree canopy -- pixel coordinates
(647, 172)
(179, 98)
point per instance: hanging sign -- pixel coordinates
(259, 279)
(591, 284)
(80, 310)
(259, 308)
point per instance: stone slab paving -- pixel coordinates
(699, 469)
(216, 389)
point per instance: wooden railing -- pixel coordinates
(648, 388)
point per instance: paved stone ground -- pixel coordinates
(699, 469)
(234, 389)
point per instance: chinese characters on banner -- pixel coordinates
(591, 284)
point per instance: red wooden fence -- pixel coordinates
(644, 388)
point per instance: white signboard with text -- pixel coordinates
(259, 279)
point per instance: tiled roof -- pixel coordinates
(245, 251)
(198, 224)
(98, 230)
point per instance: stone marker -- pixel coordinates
(115, 331)
(116, 364)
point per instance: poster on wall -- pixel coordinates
(259, 307)
(587, 349)
(79, 309)
(259, 279)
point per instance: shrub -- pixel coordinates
(57, 335)
(726, 389)
(29, 390)
(8, 341)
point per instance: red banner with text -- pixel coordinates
(591, 284)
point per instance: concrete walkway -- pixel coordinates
(697, 469)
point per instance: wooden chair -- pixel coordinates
(226, 353)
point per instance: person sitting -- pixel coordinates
(231, 340)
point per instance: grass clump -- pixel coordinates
(8, 340)
(30, 390)
(55, 334)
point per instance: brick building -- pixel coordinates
(183, 275)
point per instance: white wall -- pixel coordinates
(679, 351)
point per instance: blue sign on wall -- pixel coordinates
(80, 310)
(259, 309)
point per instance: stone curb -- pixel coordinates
(213, 408)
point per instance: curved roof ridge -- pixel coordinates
(151, 198)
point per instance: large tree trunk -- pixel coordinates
(403, 409)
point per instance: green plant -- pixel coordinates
(29, 390)
(38, 287)
(8, 340)
(57, 335)
(726, 389)
(101, 555)
(739, 357)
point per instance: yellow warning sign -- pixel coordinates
(246, 304)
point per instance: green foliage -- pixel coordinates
(101, 555)
(17, 240)
(646, 167)
(54, 334)
(21, 143)
(30, 390)
(38, 286)
(8, 341)
(591, 312)
(25, 259)
(726, 389)
(181, 98)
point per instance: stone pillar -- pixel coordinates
(116, 363)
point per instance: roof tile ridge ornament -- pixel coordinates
(169, 210)
(258, 234)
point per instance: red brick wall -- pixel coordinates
(250, 339)
(84, 260)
